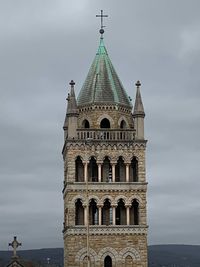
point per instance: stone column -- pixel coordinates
(114, 215)
(99, 172)
(100, 214)
(85, 215)
(127, 172)
(113, 172)
(86, 171)
(127, 215)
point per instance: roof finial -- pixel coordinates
(102, 26)
(72, 83)
(138, 84)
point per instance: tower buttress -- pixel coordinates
(139, 114)
(70, 124)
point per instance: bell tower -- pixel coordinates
(105, 216)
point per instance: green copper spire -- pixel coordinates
(102, 84)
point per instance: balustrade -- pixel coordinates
(109, 135)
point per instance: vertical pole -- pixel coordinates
(87, 208)
(114, 216)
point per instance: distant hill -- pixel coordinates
(174, 256)
(159, 256)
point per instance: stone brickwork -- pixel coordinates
(118, 247)
(122, 243)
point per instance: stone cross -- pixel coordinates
(15, 244)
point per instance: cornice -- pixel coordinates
(106, 230)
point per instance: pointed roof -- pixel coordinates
(138, 107)
(102, 84)
(72, 105)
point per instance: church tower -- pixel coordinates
(105, 217)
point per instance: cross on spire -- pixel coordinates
(15, 244)
(102, 26)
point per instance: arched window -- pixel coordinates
(134, 213)
(107, 261)
(106, 170)
(122, 124)
(120, 171)
(134, 170)
(79, 213)
(106, 213)
(92, 170)
(121, 213)
(86, 124)
(105, 123)
(79, 172)
(129, 261)
(93, 212)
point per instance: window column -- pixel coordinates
(100, 214)
(113, 172)
(85, 171)
(127, 171)
(128, 215)
(99, 171)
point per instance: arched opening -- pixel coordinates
(134, 170)
(121, 213)
(93, 213)
(122, 124)
(129, 261)
(86, 124)
(92, 170)
(79, 213)
(134, 213)
(107, 261)
(105, 123)
(79, 172)
(106, 213)
(85, 262)
(120, 171)
(106, 170)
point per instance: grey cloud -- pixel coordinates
(46, 44)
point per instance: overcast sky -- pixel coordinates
(43, 45)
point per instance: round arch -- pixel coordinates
(105, 116)
(83, 253)
(132, 252)
(123, 119)
(108, 251)
(106, 197)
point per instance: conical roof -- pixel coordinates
(138, 107)
(102, 84)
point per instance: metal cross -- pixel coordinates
(15, 244)
(102, 16)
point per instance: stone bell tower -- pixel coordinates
(105, 221)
